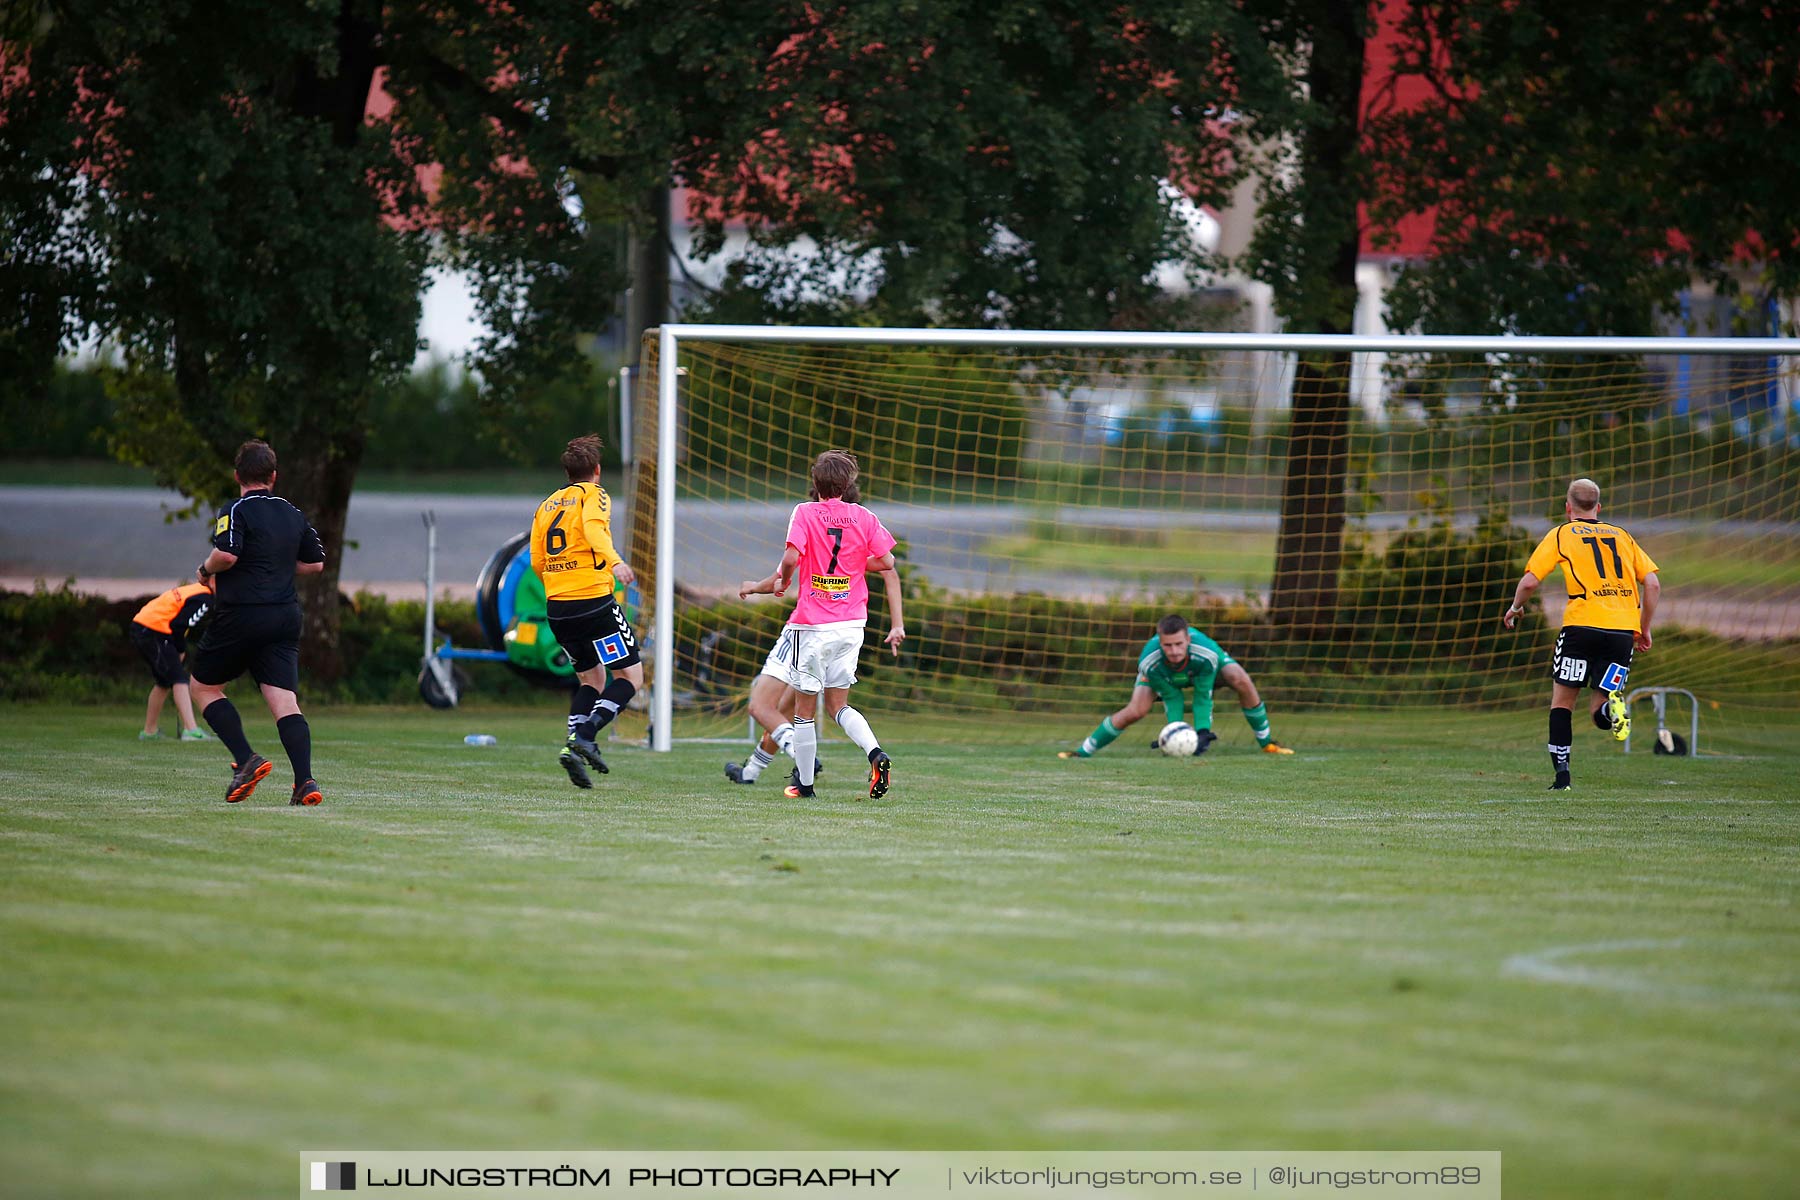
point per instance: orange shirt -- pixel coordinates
(160, 613)
(1603, 568)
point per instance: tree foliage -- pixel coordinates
(245, 199)
(219, 193)
(1585, 162)
(1012, 164)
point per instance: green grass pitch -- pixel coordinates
(1393, 940)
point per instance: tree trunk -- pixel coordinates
(318, 473)
(319, 464)
(648, 304)
(1309, 549)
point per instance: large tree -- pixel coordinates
(1011, 165)
(1306, 245)
(243, 199)
(202, 195)
(996, 164)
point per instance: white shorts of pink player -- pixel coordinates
(810, 660)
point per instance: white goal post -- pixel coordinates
(670, 340)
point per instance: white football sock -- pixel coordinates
(857, 726)
(804, 749)
(759, 758)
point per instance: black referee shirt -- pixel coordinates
(269, 536)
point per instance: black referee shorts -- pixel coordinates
(263, 639)
(160, 652)
(594, 632)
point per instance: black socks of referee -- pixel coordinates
(229, 726)
(296, 739)
(1562, 739)
(617, 695)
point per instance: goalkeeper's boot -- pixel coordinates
(1276, 748)
(735, 773)
(572, 763)
(1561, 783)
(306, 793)
(245, 776)
(590, 753)
(799, 791)
(879, 764)
(1619, 715)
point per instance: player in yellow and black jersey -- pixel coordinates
(572, 552)
(1613, 589)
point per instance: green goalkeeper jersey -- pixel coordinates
(1199, 674)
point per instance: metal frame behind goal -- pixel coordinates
(1659, 697)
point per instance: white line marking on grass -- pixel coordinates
(1551, 966)
(1546, 966)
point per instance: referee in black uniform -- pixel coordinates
(259, 543)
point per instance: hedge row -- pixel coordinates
(1025, 653)
(67, 646)
(995, 652)
(1416, 618)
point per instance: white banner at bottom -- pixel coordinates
(958, 1174)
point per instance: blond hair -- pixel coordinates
(1584, 495)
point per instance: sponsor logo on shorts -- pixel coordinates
(1571, 670)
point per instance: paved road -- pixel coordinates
(123, 533)
(125, 536)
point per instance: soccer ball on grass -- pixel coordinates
(1178, 739)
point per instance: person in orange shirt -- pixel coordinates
(159, 631)
(1613, 589)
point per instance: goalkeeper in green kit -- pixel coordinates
(1178, 659)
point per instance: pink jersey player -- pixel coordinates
(836, 541)
(832, 543)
